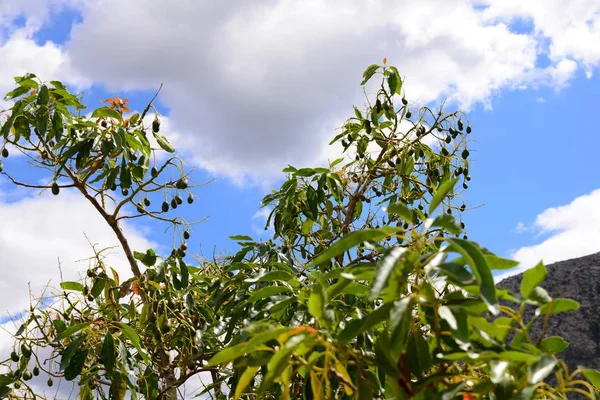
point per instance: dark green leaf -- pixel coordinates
(448, 222)
(71, 330)
(457, 273)
(70, 351)
(108, 352)
(358, 326)
(477, 261)
(43, 97)
(21, 90)
(133, 337)
(402, 210)
(385, 267)
(316, 301)
(353, 239)
(267, 292)
(393, 80)
(76, 364)
(441, 193)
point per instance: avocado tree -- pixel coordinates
(369, 288)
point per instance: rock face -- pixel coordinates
(578, 279)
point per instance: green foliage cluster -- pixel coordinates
(369, 288)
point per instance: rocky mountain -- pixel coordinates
(578, 279)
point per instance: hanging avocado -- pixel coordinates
(55, 189)
(156, 125)
(4, 152)
(186, 235)
(190, 199)
(165, 206)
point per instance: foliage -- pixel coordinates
(368, 289)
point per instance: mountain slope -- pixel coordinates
(578, 279)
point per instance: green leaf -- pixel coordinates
(244, 381)
(358, 326)
(105, 112)
(108, 352)
(76, 364)
(70, 351)
(307, 226)
(385, 267)
(267, 292)
(283, 276)
(72, 286)
(495, 262)
(383, 357)
(231, 353)
(457, 273)
(279, 361)
(241, 238)
(400, 321)
(134, 339)
(554, 344)
(43, 96)
(350, 240)
(518, 356)
(441, 192)
(393, 80)
(21, 90)
(592, 376)
(148, 258)
(557, 306)
(539, 370)
(228, 354)
(71, 330)
(185, 274)
(163, 142)
(532, 278)
(402, 210)
(475, 258)
(42, 119)
(30, 83)
(369, 72)
(316, 301)
(448, 222)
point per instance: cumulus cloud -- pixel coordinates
(38, 231)
(568, 231)
(253, 86)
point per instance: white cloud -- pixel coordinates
(21, 54)
(572, 27)
(255, 86)
(572, 231)
(37, 231)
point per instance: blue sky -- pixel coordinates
(251, 87)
